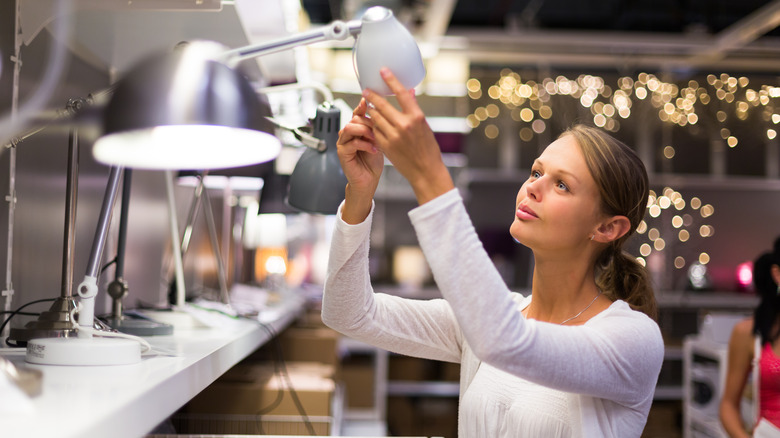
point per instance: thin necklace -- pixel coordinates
(583, 310)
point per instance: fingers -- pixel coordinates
(405, 97)
(357, 135)
(360, 110)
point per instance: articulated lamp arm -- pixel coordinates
(335, 31)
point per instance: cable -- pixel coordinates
(3, 312)
(17, 312)
(145, 346)
(108, 264)
(280, 366)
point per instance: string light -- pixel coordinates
(685, 104)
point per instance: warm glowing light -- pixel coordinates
(664, 202)
(695, 203)
(642, 261)
(481, 114)
(538, 126)
(679, 262)
(492, 110)
(669, 152)
(645, 249)
(526, 114)
(491, 131)
(707, 210)
(642, 227)
(732, 141)
(704, 258)
(653, 234)
(771, 134)
(654, 210)
(745, 274)
(705, 231)
(677, 222)
(659, 244)
(473, 85)
(526, 134)
(684, 235)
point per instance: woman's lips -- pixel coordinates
(525, 213)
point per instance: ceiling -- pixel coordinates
(660, 34)
(664, 35)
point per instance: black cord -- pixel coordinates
(4, 312)
(109, 263)
(17, 312)
(281, 367)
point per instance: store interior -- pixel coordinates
(693, 87)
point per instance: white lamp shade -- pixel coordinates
(187, 147)
(385, 42)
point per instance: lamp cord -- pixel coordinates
(145, 346)
(18, 310)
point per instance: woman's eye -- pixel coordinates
(562, 185)
(535, 174)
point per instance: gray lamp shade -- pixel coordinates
(317, 183)
(186, 109)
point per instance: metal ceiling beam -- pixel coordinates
(746, 30)
(609, 49)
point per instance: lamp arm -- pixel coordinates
(88, 287)
(337, 30)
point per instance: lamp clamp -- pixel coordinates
(304, 137)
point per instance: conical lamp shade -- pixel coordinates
(317, 183)
(186, 110)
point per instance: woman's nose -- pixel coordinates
(533, 189)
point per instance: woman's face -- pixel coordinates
(558, 206)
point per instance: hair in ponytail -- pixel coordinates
(767, 312)
(623, 185)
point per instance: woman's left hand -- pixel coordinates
(407, 141)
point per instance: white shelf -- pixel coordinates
(130, 400)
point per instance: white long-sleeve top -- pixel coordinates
(519, 377)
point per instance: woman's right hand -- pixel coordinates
(362, 164)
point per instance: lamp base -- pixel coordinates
(83, 351)
(139, 325)
(175, 317)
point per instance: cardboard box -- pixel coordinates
(310, 345)
(357, 373)
(210, 424)
(259, 389)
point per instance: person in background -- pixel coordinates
(580, 355)
(754, 346)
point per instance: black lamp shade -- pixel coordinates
(317, 183)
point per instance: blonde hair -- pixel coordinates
(623, 187)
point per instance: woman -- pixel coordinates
(762, 331)
(573, 359)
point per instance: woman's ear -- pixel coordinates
(612, 229)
